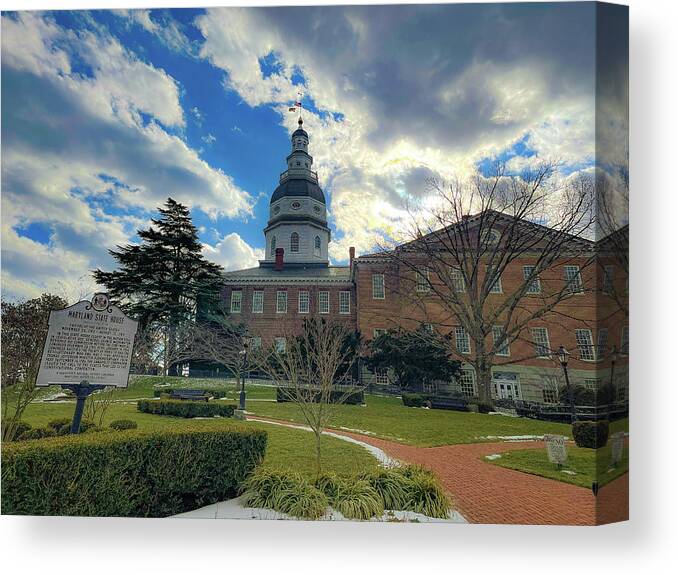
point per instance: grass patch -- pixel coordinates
(386, 417)
(589, 464)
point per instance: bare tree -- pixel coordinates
(452, 268)
(313, 371)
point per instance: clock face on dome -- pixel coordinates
(296, 205)
(316, 209)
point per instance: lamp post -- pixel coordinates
(563, 358)
(614, 355)
(243, 374)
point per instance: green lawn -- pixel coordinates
(290, 448)
(386, 417)
(588, 464)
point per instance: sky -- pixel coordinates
(107, 113)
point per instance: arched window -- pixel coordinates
(273, 246)
(316, 247)
(294, 243)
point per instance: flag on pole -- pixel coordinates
(297, 103)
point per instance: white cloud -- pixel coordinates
(233, 253)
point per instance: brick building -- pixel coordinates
(378, 292)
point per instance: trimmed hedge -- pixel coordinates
(591, 434)
(357, 397)
(214, 393)
(415, 399)
(131, 474)
(123, 424)
(185, 408)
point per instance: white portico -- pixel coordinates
(298, 215)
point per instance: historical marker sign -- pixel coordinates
(90, 342)
(555, 448)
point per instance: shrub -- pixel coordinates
(591, 434)
(582, 395)
(58, 424)
(284, 491)
(484, 407)
(357, 397)
(121, 424)
(414, 399)
(21, 428)
(37, 433)
(167, 390)
(185, 408)
(426, 495)
(134, 474)
(393, 487)
(358, 500)
(329, 484)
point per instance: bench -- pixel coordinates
(191, 394)
(455, 403)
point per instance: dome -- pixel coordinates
(298, 188)
(299, 132)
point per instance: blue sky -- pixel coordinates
(106, 113)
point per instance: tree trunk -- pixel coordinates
(318, 462)
(485, 383)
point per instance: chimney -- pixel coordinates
(279, 252)
(351, 255)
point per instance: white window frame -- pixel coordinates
(584, 339)
(497, 333)
(458, 284)
(294, 243)
(378, 286)
(378, 331)
(496, 285)
(428, 327)
(280, 344)
(462, 340)
(540, 339)
(323, 302)
(255, 342)
(573, 279)
(281, 301)
(602, 339)
(608, 279)
(344, 302)
(258, 301)
(236, 301)
(317, 246)
(534, 286)
(549, 395)
(381, 377)
(304, 301)
(423, 281)
(273, 245)
(467, 382)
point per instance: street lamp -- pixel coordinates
(243, 374)
(563, 358)
(614, 355)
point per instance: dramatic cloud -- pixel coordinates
(233, 253)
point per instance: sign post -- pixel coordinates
(88, 347)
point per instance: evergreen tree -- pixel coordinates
(164, 281)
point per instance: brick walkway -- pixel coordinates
(486, 493)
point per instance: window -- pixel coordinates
(236, 301)
(592, 384)
(298, 163)
(608, 280)
(381, 377)
(316, 246)
(428, 327)
(585, 344)
(303, 302)
(462, 339)
(273, 244)
(501, 346)
(496, 282)
(534, 286)
(622, 393)
(294, 243)
(467, 383)
(422, 282)
(344, 302)
(573, 279)
(324, 302)
(379, 332)
(281, 302)
(624, 348)
(255, 342)
(540, 338)
(378, 286)
(258, 301)
(550, 395)
(458, 284)
(280, 344)
(601, 350)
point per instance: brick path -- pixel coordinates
(486, 493)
